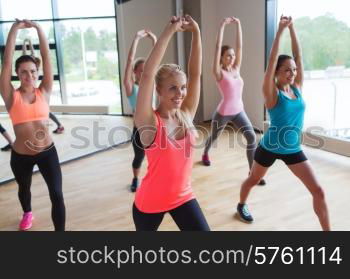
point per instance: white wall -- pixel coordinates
(140, 14)
(252, 16)
(192, 7)
(153, 14)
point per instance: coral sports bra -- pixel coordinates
(22, 112)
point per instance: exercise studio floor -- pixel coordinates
(83, 135)
(97, 196)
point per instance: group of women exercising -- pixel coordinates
(166, 134)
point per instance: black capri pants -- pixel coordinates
(138, 149)
(2, 129)
(188, 217)
(48, 163)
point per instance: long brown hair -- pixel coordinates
(25, 57)
(281, 59)
(224, 48)
(137, 62)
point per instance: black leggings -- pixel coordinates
(188, 217)
(48, 163)
(2, 129)
(138, 149)
(54, 119)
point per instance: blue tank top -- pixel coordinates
(285, 131)
(133, 97)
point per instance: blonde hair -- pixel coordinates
(165, 71)
(137, 62)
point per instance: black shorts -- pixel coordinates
(267, 158)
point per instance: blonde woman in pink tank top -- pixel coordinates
(226, 69)
(167, 135)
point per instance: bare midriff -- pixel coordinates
(32, 137)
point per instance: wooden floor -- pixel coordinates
(84, 134)
(97, 196)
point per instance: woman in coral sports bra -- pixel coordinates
(168, 135)
(28, 107)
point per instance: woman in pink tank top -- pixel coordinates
(226, 69)
(168, 135)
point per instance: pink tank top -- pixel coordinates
(167, 183)
(231, 87)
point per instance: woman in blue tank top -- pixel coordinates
(132, 77)
(283, 99)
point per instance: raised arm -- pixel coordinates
(6, 87)
(128, 75)
(239, 44)
(191, 101)
(297, 54)
(152, 37)
(217, 57)
(47, 81)
(144, 117)
(269, 86)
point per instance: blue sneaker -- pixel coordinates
(244, 214)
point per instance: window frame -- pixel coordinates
(329, 143)
(55, 20)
